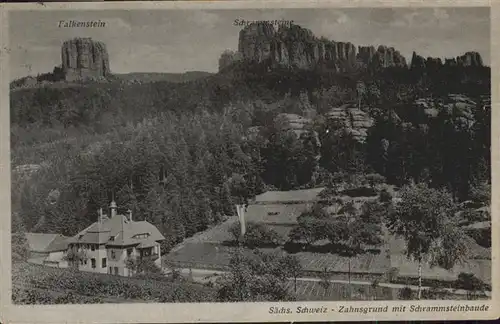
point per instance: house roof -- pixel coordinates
(45, 242)
(274, 213)
(119, 231)
(292, 196)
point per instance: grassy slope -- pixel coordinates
(29, 277)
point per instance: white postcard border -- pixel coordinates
(228, 312)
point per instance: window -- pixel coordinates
(113, 254)
(116, 270)
(93, 263)
(273, 213)
(81, 261)
(111, 238)
(92, 247)
(129, 252)
(110, 270)
(141, 236)
(104, 262)
(85, 261)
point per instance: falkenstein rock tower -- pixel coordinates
(84, 59)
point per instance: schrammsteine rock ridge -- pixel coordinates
(295, 46)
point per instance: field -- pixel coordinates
(479, 264)
(214, 256)
(209, 250)
(312, 290)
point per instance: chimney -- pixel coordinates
(240, 209)
(113, 207)
(129, 215)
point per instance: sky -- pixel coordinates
(177, 41)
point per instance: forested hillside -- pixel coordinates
(181, 154)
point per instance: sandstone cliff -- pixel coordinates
(294, 46)
(469, 59)
(357, 122)
(83, 59)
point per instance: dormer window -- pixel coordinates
(141, 236)
(111, 238)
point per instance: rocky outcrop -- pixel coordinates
(456, 104)
(356, 121)
(469, 59)
(294, 46)
(433, 63)
(84, 59)
(417, 62)
(292, 122)
(384, 57)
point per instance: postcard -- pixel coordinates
(248, 161)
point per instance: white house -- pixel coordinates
(47, 249)
(108, 243)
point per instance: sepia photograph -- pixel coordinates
(235, 155)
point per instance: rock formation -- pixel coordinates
(469, 59)
(292, 122)
(294, 46)
(386, 57)
(457, 104)
(417, 62)
(84, 59)
(357, 122)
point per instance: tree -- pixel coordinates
(423, 219)
(305, 230)
(20, 247)
(360, 91)
(352, 233)
(256, 235)
(75, 257)
(142, 266)
(325, 277)
(406, 293)
(255, 277)
(293, 268)
(474, 286)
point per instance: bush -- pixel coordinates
(256, 235)
(473, 216)
(406, 294)
(482, 236)
(360, 192)
(20, 248)
(475, 287)
(392, 274)
(385, 196)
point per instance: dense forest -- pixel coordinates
(181, 154)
